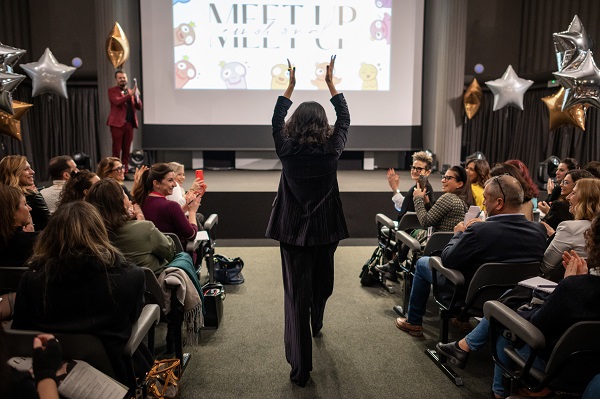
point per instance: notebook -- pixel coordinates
(539, 283)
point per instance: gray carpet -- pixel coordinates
(361, 354)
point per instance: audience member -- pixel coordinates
(16, 172)
(150, 193)
(508, 169)
(421, 166)
(505, 236)
(535, 191)
(16, 231)
(77, 186)
(584, 204)
(558, 211)
(179, 192)
(553, 187)
(447, 211)
(80, 283)
(594, 168)
(60, 169)
(138, 239)
(479, 172)
(113, 168)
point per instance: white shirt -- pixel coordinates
(52, 194)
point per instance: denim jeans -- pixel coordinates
(524, 351)
(477, 338)
(593, 389)
(421, 286)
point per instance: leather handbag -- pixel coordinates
(227, 270)
(162, 379)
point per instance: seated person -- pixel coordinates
(16, 231)
(138, 239)
(574, 299)
(150, 193)
(179, 192)
(505, 236)
(16, 172)
(112, 167)
(421, 166)
(508, 169)
(447, 211)
(558, 211)
(79, 282)
(60, 169)
(533, 188)
(584, 200)
(594, 168)
(479, 172)
(553, 186)
(77, 186)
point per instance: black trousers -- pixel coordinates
(307, 284)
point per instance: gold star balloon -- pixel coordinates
(10, 125)
(572, 116)
(472, 98)
(117, 46)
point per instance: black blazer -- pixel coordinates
(307, 210)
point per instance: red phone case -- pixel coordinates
(200, 174)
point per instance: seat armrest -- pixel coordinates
(522, 328)
(149, 317)
(211, 222)
(192, 246)
(383, 220)
(408, 240)
(454, 276)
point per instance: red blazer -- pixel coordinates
(118, 109)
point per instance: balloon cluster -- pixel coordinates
(11, 111)
(577, 74)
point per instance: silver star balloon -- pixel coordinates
(571, 44)
(8, 82)
(509, 89)
(48, 75)
(581, 81)
(9, 56)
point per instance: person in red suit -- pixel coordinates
(122, 118)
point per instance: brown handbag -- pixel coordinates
(162, 380)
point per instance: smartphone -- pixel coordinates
(200, 174)
(422, 182)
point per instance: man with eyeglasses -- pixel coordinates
(60, 169)
(505, 236)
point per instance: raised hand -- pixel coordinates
(292, 83)
(393, 179)
(329, 77)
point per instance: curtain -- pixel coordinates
(510, 133)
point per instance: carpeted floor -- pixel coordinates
(361, 354)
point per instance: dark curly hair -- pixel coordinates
(482, 170)
(506, 168)
(308, 124)
(592, 243)
(76, 187)
(464, 192)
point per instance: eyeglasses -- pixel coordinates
(497, 180)
(120, 168)
(417, 168)
(564, 182)
(447, 177)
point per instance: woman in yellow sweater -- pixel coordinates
(479, 173)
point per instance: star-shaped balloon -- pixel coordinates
(572, 43)
(509, 89)
(117, 46)
(573, 116)
(11, 124)
(8, 57)
(472, 98)
(581, 82)
(8, 82)
(48, 75)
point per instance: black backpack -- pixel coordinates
(369, 275)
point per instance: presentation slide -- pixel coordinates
(226, 45)
(225, 62)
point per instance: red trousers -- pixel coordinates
(121, 141)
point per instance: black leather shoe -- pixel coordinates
(456, 355)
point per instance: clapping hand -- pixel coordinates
(574, 264)
(393, 179)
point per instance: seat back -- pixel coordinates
(84, 347)
(437, 242)
(154, 293)
(409, 221)
(10, 276)
(574, 360)
(491, 280)
(176, 240)
(386, 235)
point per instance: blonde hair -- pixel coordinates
(11, 168)
(175, 166)
(422, 156)
(589, 199)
